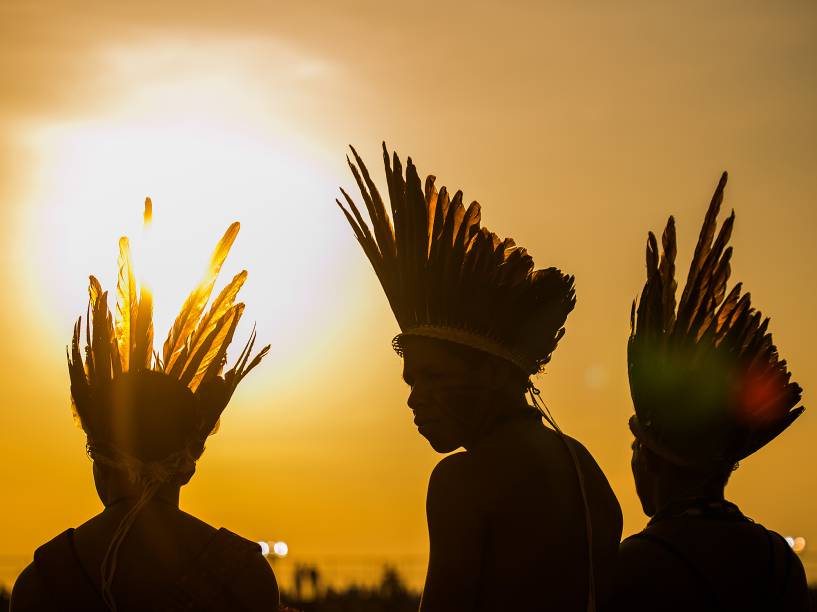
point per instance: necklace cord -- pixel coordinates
(535, 396)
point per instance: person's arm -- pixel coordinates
(456, 532)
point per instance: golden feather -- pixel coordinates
(126, 305)
(222, 303)
(213, 349)
(188, 318)
(148, 215)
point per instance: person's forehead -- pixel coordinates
(419, 348)
(419, 353)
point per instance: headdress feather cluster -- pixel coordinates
(193, 355)
(448, 278)
(706, 379)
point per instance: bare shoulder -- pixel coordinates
(454, 466)
(582, 454)
(454, 483)
(528, 446)
(588, 463)
(29, 592)
(454, 476)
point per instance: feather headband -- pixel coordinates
(119, 352)
(706, 380)
(448, 278)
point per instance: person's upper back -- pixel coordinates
(536, 546)
(169, 561)
(708, 564)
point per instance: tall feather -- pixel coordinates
(193, 306)
(104, 349)
(147, 217)
(143, 331)
(126, 305)
(213, 361)
(704, 241)
(222, 303)
(212, 349)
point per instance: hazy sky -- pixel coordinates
(578, 128)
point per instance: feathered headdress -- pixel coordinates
(706, 381)
(448, 278)
(149, 414)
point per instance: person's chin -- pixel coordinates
(440, 443)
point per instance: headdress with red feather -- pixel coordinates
(706, 380)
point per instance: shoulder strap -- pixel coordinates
(693, 570)
(57, 564)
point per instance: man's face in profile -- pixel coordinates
(446, 392)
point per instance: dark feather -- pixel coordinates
(440, 268)
(719, 377)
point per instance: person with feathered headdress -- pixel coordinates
(524, 519)
(709, 389)
(146, 416)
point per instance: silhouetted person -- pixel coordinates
(146, 422)
(708, 390)
(524, 519)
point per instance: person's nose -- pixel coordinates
(415, 398)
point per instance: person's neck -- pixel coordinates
(127, 495)
(507, 411)
(669, 494)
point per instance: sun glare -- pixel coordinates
(206, 158)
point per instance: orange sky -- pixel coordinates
(578, 129)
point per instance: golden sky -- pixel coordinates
(577, 128)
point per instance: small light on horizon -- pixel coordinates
(280, 549)
(264, 548)
(797, 544)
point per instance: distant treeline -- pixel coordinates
(309, 595)
(382, 598)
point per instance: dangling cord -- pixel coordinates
(108, 567)
(588, 523)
